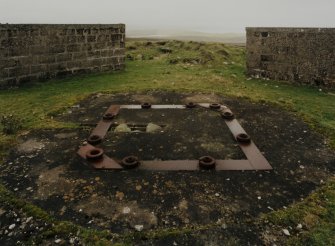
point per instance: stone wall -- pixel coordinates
(300, 55)
(38, 52)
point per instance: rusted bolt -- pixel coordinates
(190, 105)
(207, 162)
(94, 154)
(108, 116)
(227, 115)
(130, 162)
(146, 105)
(94, 139)
(215, 106)
(243, 138)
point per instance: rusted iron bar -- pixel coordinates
(193, 165)
(172, 106)
(171, 165)
(95, 156)
(250, 150)
(104, 163)
(103, 126)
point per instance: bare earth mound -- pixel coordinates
(205, 207)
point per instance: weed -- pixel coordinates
(11, 124)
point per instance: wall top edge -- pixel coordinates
(60, 26)
(290, 29)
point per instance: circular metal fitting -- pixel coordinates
(130, 162)
(214, 106)
(108, 116)
(227, 115)
(146, 105)
(94, 139)
(243, 138)
(94, 154)
(207, 162)
(190, 105)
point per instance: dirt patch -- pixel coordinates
(50, 182)
(66, 135)
(30, 146)
(128, 212)
(213, 146)
(144, 98)
(223, 204)
(205, 98)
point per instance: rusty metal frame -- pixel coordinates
(255, 159)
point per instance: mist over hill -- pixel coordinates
(237, 38)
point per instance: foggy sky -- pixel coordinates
(218, 16)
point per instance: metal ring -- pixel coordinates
(130, 162)
(94, 154)
(108, 116)
(215, 106)
(243, 138)
(94, 139)
(227, 115)
(190, 105)
(207, 162)
(146, 105)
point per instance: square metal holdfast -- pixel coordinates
(98, 160)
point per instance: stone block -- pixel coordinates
(63, 57)
(4, 73)
(79, 55)
(27, 78)
(73, 48)
(95, 62)
(17, 51)
(74, 64)
(8, 63)
(103, 38)
(3, 83)
(99, 46)
(81, 39)
(18, 71)
(55, 49)
(64, 73)
(94, 53)
(119, 52)
(81, 70)
(40, 50)
(71, 39)
(91, 39)
(87, 46)
(94, 31)
(3, 52)
(47, 59)
(71, 31)
(38, 68)
(57, 66)
(9, 82)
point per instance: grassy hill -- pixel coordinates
(228, 38)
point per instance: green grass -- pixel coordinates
(191, 67)
(316, 213)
